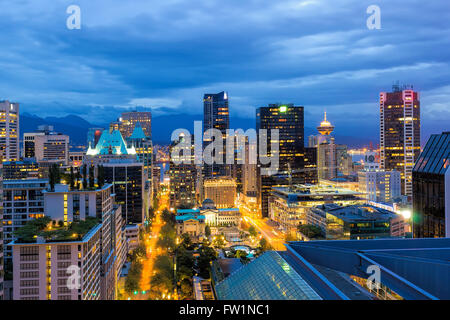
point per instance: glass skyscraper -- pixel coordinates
(289, 120)
(216, 116)
(431, 189)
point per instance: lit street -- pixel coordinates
(275, 239)
(151, 240)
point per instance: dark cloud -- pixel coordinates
(165, 54)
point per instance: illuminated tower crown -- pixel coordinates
(325, 127)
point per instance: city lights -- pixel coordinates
(241, 152)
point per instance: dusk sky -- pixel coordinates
(165, 55)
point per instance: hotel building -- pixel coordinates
(222, 191)
(123, 170)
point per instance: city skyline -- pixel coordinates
(203, 150)
(326, 60)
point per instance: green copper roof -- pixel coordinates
(138, 132)
(111, 143)
(189, 216)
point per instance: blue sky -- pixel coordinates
(164, 55)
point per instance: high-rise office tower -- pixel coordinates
(431, 189)
(128, 120)
(249, 172)
(9, 128)
(183, 174)
(216, 116)
(289, 120)
(310, 164)
(46, 145)
(400, 133)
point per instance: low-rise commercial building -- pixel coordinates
(288, 206)
(352, 222)
(380, 186)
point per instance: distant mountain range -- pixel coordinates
(74, 126)
(162, 127)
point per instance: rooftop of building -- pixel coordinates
(25, 161)
(220, 182)
(187, 211)
(111, 143)
(269, 277)
(413, 268)
(314, 190)
(44, 230)
(356, 212)
(64, 188)
(129, 161)
(229, 265)
(198, 211)
(189, 216)
(228, 209)
(24, 181)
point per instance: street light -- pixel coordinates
(406, 214)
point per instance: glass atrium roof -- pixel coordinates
(269, 277)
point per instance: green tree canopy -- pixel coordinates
(310, 231)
